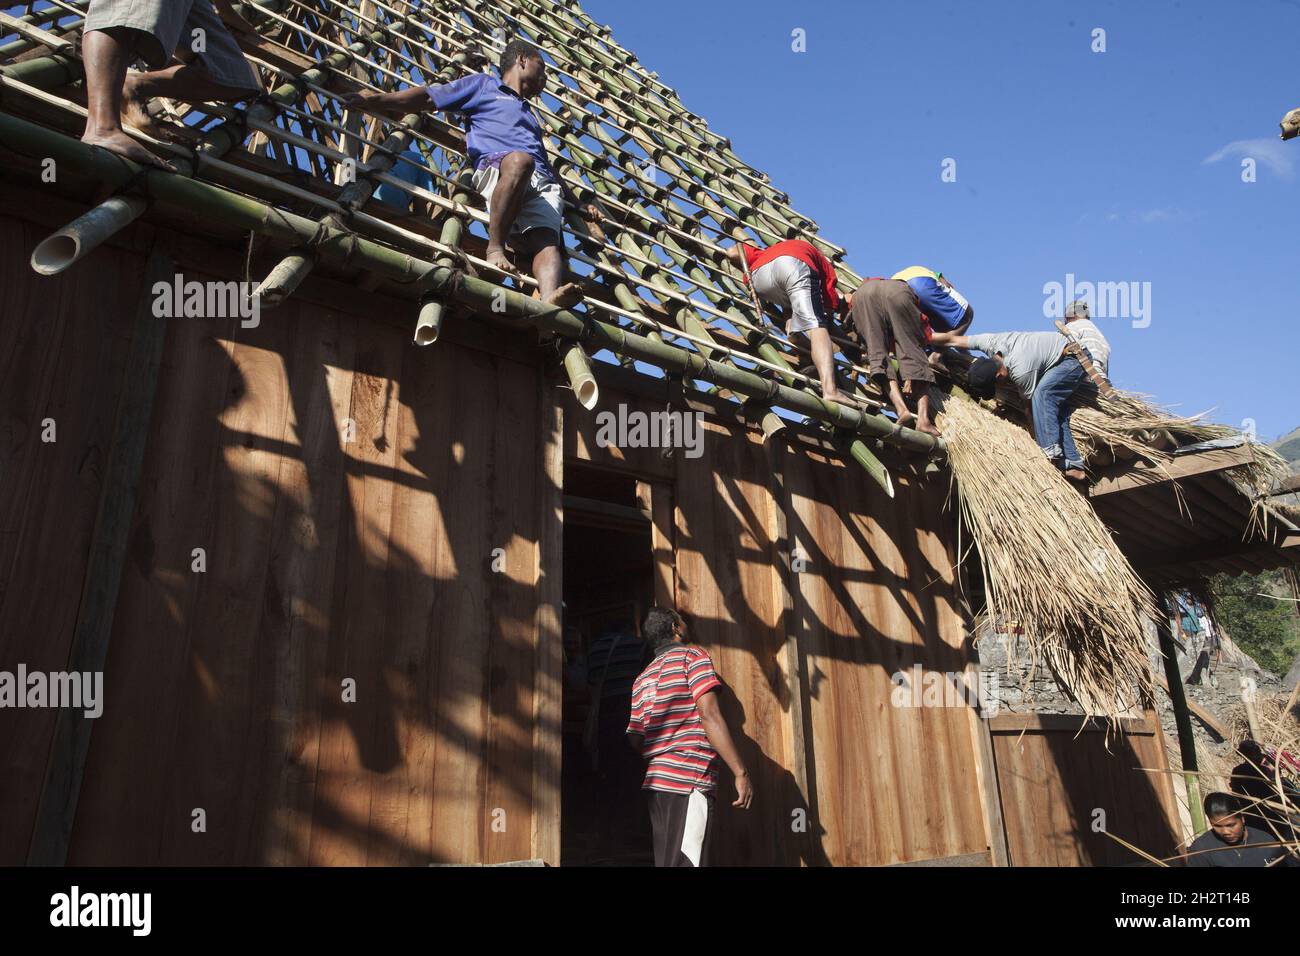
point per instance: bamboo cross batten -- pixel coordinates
(671, 190)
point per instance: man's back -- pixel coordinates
(1027, 354)
(665, 714)
(500, 120)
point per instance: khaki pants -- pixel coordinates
(886, 314)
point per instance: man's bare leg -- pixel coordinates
(923, 423)
(106, 55)
(548, 270)
(186, 80)
(507, 199)
(824, 358)
(904, 414)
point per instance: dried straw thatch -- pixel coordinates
(1051, 569)
(1126, 425)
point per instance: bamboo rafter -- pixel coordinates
(671, 192)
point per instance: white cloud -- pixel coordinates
(1273, 154)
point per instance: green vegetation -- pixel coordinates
(1288, 446)
(1265, 628)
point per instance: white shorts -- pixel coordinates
(791, 284)
(543, 205)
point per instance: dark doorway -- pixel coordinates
(608, 587)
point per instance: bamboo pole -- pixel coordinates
(581, 377)
(416, 276)
(73, 242)
(1182, 716)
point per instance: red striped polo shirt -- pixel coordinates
(665, 714)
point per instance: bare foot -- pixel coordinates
(906, 419)
(1075, 474)
(116, 141)
(832, 395)
(927, 426)
(497, 259)
(566, 295)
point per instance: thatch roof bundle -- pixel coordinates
(1051, 569)
(1126, 425)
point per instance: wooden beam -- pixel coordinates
(1144, 474)
(89, 652)
(607, 513)
(1215, 550)
(1200, 713)
(1074, 723)
(1288, 486)
(1182, 714)
(548, 674)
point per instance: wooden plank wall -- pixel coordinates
(63, 345)
(894, 784)
(329, 557)
(348, 492)
(875, 595)
(1055, 781)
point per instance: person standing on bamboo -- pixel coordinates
(1049, 378)
(796, 276)
(193, 55)
(524, 197)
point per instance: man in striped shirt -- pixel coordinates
(677, 725)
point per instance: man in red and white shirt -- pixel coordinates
(677, 725)
(796, 276)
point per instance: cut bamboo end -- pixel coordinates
(85, 233)
(429, 322)
(859, 452)
(773, 425)
(578, 367)
(284, 279)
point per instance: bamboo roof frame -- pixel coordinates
(615, 132)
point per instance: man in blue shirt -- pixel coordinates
(945, 309)
(524, 197)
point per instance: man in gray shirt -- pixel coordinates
(1037, 364)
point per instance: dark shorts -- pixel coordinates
(167, 25)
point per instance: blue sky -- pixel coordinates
(1067, 161)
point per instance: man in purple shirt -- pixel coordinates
(524, 197)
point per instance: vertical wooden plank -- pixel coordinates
(460, 614)
(512, 596)
(294, 635)
(63, 355)
(72, 730)
(1164, 783)
(657, 498)
(798, 740)
(124, 802)
(360, 739)
(986, 771)
(725, 563)
(549, 660)
(219, 707)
